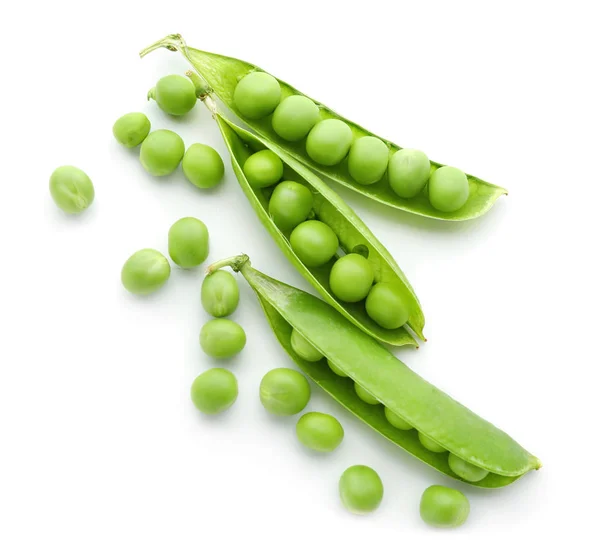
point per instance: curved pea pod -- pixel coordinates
(222, 74)
(366, 362)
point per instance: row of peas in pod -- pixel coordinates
(330, 141)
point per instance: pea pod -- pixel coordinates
(369, 364)
(222, 74)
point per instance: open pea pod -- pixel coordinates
(366, 362)
(222, 74)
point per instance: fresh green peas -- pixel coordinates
(220, 293)
(161, 152)
(444, 507)
(203, 166)
(304, 349)
(214, 391)
(396, 421)
(290, 204)
(351, 278)
(188, 242)
(386, 306)
(448, 189)
(319, 431)
(428, 443)
(466, 471)
(336, 369)
(284, 392)
(222, 338)
(294, 117)
(71, 189)
(408, 172)
(256, 95)
(131, 129)
(145, 272)
(364, 395)
(314, 242)
(329, 141)
(368, 160)
(263, 169)
(175, 95)
(361, 489)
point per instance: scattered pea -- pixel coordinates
(145, 272)
(304, 349)
(364, 395)
(351, 278)
(161, 152)
(336, 369)
(214, 391)
(294, 117)
(408, 172)
(329, 141)
(290, 204)
(386, 306)
(444, 507)
(71, 189)
(319, 431)
(131, 129)
(368, 160)
(465, 470)
(188, 242)
(428, 443)
(263, 169)
(174, 94)
(448, 189)
(220, 293)
(396, 421)
(256, 95)
(361, 489)
(203, 166)
(284, 392)
(314, 242)
(222, 338)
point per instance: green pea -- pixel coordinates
(364, 395)
(294, 117)
(256, 95)
(448, 189)
(361, 489)
(71, 189)
(161, 152)
(290, 204)
(263, 169)
(368, 160)
(466, 471)
(386, 306)
(319, 431)
(396, 421)
(428, 443)
(314, 242)
(284, 392)
(203, 166)
(351, 278)
(175, 95)
(131, 129)
(188, 242)
(145, 272)
(336, 369)
(304, 349)
(329, 141)
(444, 507)
(214, 391)
(220, 293)
(222, 338)
(408, 172)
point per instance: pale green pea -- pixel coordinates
(284, 392)
(444, 507)
(314, 243)
(220, 293)
(368, 160)
(428, 443)
(329, 141)
(408, 172)
(174, 94)
(214, 391)
(290, 204)
(263, 169)
(336, 369)
(304, 349)
(396, 421)
(361, 489)
(448, 189)
(319, 431)
(386, 306)
(256, 95)
(71, 189)
(364, 395)
(222, 338)
(131, 129)
(294, 117)
(161, 152)
(145, 272)
(203, 166)
(351, 278)
(466, 471)
(188, 242)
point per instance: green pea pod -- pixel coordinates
(372, 366)
(222, 74)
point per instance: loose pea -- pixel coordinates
(263, 169)
(290, 204)
(222, 338)
(466, 471)
(284, 391)
(319, 431)
(203, 166)
(145, 272)
(131, 129)
(188, 242)
(314, 242)
(175, 95)
(364, 395)
(408, 172)
(396, 421)
(161, 152)
(220, 293)
(336, 369)
(214, 391)
(351, 278)
(329, 141)
(444, 507)
(304, 349)
(294, 117)
(428, 443)
(361, 489)
(71, 189)
(448, 189)
(256, 95)
(386, 306)
(368, 160)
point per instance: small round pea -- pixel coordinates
(145, 272)
(174, 94)
(408, 172)
(284, 392)
(188, 242)
(314, 242)
(386, 306)
(222, 338)
(364, 395)
(263, 169)
(131, 129)
(428, 443)
(161, 152)
(336, 369)
(220, 293)
(448, 189)
(466, 471)
(319, 431)
(71, 189)
(256, 95)
(396, 421)
(214, 391)
(361, 489)
(203, 166)
(294, 117)
(290, 204)
(304, 349)
(444, 507)
(329, 141)
(368, 160)
(351, 278)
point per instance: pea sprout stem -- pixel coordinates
(235, 263)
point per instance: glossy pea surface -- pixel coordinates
(408, 172)
(386, 306)
(220, 294)
(202, 165)
(284, 392)
(314, 242)
(214, 391)
(428, 443)
(368, 160)
(319, 432)
(466, 471)
(329, 141)
(448, 189)
(145, 272)
(222, 338)
(161, 152)
(174, 94)
(336, 369)
(351, 278)
(188, 242)
(304, 349)
(71, 189)
(257, 94)
(263, 169)
(290, 204)
(396, 421)
(131, 129)
(444, 507)
(294, 117)
(364, 395)
(361, 489)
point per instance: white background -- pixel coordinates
(102, 455)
